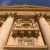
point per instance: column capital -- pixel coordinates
(40, 15)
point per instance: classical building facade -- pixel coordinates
(24, 27)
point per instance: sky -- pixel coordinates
(32, 2)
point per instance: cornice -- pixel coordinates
(24, 8)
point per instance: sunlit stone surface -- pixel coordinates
(25, 33)
(45, 28)
(5, 31)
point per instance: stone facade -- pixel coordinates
(28, 30)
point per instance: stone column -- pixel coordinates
(45, 28)
(5, 31)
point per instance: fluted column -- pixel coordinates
(5, 31)
(45, 28)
